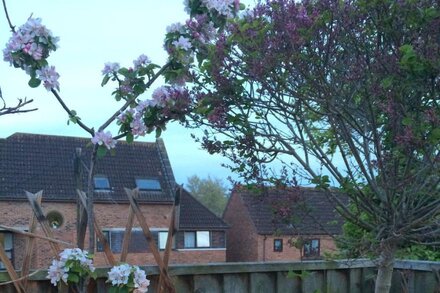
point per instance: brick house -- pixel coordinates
(42, 162)
(280, 224)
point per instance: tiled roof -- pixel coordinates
(302, 211)
(43, 162)
(194, 215)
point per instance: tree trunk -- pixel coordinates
(385, 270)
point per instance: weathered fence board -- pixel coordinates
(305, 277)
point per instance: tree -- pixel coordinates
(210, 191)
(32, 43)
(351, 85)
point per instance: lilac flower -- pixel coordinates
(160, 95)
(141, 61)
(105, 139)
(110, 67)
(49, 77)
(183, 43)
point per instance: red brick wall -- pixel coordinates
(18, 214)
(241, 237)
(266, 252)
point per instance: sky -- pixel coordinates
(91, 34)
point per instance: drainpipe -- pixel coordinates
(264, 248)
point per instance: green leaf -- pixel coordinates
(105, 80)
(73, 278)
(435, 134)
(124, 71)
(101, 152)
(407, 121)
(129, 138)
(158, 132)
(34, 82)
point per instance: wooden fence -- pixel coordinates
(354, 276)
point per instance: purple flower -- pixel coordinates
(110, 67)
(141, 61)
(183, 43)
(105, 139)
(49, 77)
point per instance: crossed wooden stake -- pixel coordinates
(165, 283)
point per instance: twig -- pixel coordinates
(7, 17)
(82, 125)
(36, 235)
(16, 109)
(125, 106)
(21, 278)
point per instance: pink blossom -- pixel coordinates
(49, 77)
(183, 43)
(110, 67)
(175, 28)
(223, 7)
(105, 139)
(33, 39)
(138, 127)
(142, 60)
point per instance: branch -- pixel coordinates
(82, 125)
(16, 109)
(125, 106)
(7, 17)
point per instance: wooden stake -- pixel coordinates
(107, 250)
(36, 208)
(10, 269)
(128, 228)
(30, 244)
(150, 240)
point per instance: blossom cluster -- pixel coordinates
(71, 266)
(131, 277)
(28, 49)
(168, 102)
(223, 7)
(49, 77)
(104, 138)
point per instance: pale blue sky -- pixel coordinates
(91, 34)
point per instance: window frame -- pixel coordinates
(10, 250)
(197, 237)
(147, 180)
(312, 254)
(101, 189)
(278, 248)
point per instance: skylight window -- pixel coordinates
(148, 184)
(101, 183)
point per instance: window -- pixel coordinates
(197, 239)
(148, 184)
(55, 219)
(101, 183)
(7, 243)
(311, 248)
(137, 244)
(163, 236)
(278, 245)
(99, 244)
(189, 239)
(203, 239)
